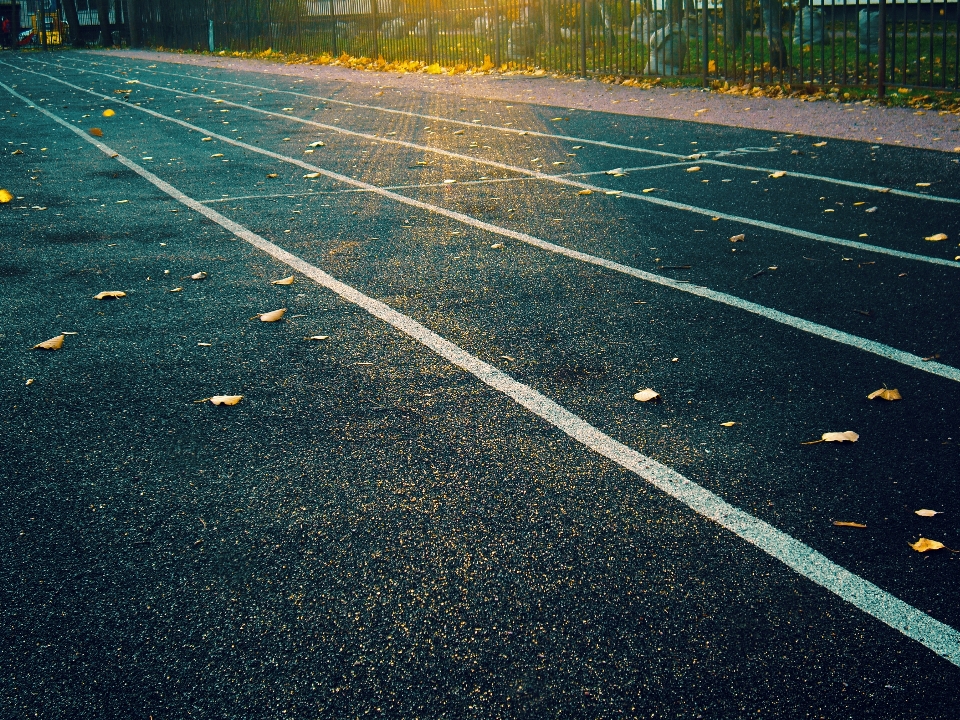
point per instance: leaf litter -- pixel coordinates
(54, 343)
(845, 436)
(646, 395)
(272, 316)
(926, 544)
(284, 281)
(885, 394)
(927, 513)
(109, 295)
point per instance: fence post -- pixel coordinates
(704, 47)
(133, 19)
(429, 33)
(496, 36)
(333, 27)
(210, 34)
(42, 25)
(583, 37)
(376, 29)
(15, 24)
(882, 52)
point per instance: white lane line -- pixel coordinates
(570, 138)
(935, 635)
(870, 346)
(489, 181)
(555, 178)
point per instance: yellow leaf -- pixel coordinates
(927, 513)
(206, 139)
(434, 69)
(109, 294)
(556, 119)
(51, 344)
(695, 168)
(217, 155)
(648, 190)
(226, 399)
(179, 289)
(738, 238)
(318, 143)
(939, 237)
(497, 246)
(29, 382)
(284, 281)
(319, 337)
(311, 176)
(585, 192)
(273, 316)
(5, 196)
(844, 523)
(647, 395)
(924, 544)
(846, 436)
(17, 152)
(778, 174)
(885, 394)
(820, 144)
(108, 113)
(199, 276)
(727, 424)
(923, 184)
(487, 64)
(96, 132)
(271, 175)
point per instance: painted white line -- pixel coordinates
(556, 178)
(870, 346)
(570, 138)
(935, 635)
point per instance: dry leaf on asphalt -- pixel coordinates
(497, 246)
(217, 155)
(206, 139)
(585, 192)
(108, 113)
(179, 289)
(923, 184)
(924, 544)
(284, 281)
(108, 294)
(317, 144)
(778, 174)
(820, 144)
(17, 152)
(226, 399)
(96, 132)
(51, 344)
(199, 276)
(846, 436)
(727, 424)
(29, 382)
(844, 523)
(927, 513)
(939, 237)
(648, 190)
(647, 395)
(318, 337)
(738, 238)
(311, 176)
(695, 168)
(273, 316)
(885, 394)
(271, 175)
(5, 196)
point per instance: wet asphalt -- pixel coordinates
(372, 531)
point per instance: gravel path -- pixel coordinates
(848, 121)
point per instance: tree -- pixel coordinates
(103, 14)
(73, 20)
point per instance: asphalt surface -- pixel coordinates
(375, 531)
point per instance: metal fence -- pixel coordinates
(911, 43)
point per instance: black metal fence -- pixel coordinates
(911, 43)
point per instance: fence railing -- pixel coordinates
(867, 43)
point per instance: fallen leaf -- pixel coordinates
(695, 168)
(179, 289)
(778, 174)
(871, 209)
(313, 175)
(846, 436)
(585, 192)
(51, 344)
(939, 237)
(204, 344)
(205, 139)
(885, 394)
(844, 523)
(727, 424)
(318, 143)
(108, 113)
(738, 238)
(458, 132)
(199, 276)
(284, 281)
(217, 155)
(226, 399)
(273, 316)
(647, 395)
(820, 144)
(923, 184)
(5, 196)
(319, 337)
(556, 119)
(648, 190)
(497, 246)
(927, 513)
(29, 382)
(925, 544)
(109, 294)
(271, 175)
(17, 152)
(96, 132)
